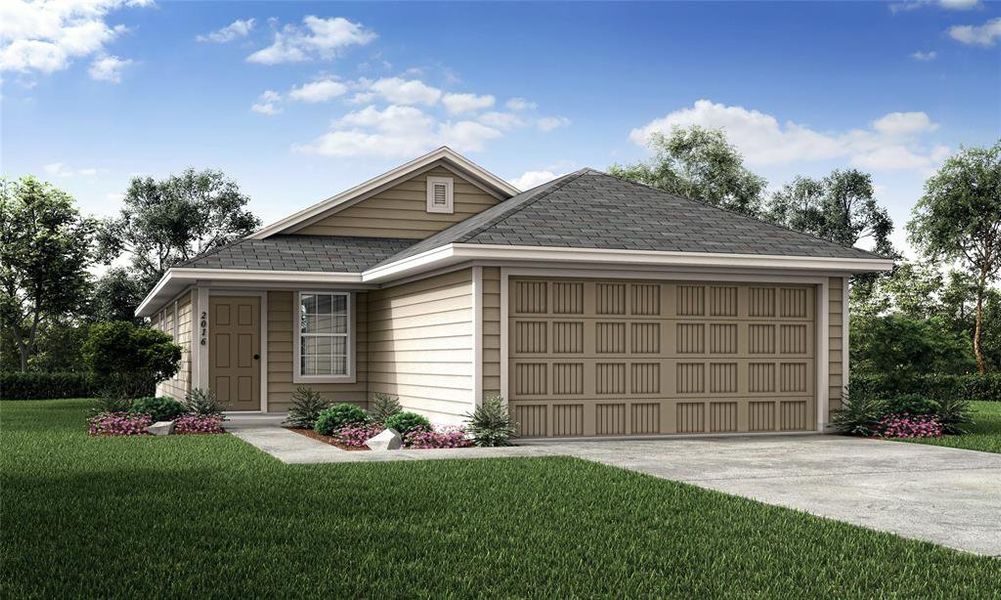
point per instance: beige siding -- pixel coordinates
(280, 355)
(421, 345)
(177, 386)
(401, 211)
(491, 331)
(835, 327)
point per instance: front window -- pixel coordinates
(324, 326)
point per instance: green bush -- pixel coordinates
(160, 408)
(406, 422)
(40, 386)
(384, 406)
(110, 403)
(203, 402)
(491, 423)
(935, 386)
(859, 414)
(306, 407)
(912, 404)
(130, 357)
(955, 414)
(337, 416)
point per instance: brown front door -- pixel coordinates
(235, 350)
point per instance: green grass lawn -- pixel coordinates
(212, 516)
(984, 434)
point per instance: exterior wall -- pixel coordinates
(491, 356)
(177, 387)
(836, 369)
(401, 211)
(280, 355)
(421, 345)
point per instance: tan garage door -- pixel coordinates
(615, 357)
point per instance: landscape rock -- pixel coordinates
(387, 440)
(161, 428)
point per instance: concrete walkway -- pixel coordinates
(942, 495)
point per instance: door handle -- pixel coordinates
(257, 357)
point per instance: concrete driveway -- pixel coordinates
(942, 495)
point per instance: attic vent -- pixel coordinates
(440, 195)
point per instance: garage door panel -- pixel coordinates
(616, 357)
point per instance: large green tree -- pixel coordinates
(169, 221)
(45, 251)
(116, 295)
(959, 219)
(700, 164)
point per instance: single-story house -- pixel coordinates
(594, 306)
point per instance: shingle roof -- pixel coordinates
(335, 254)
(590, 209)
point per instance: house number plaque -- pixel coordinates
(204, 324)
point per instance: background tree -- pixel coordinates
(169, 221)
(959, 219)
(116, 295)
(700, 164)
(45, 250)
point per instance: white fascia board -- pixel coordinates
(175, 279)
(443, 153)
(454, 253)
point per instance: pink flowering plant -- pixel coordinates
(445, 437)
(355, 436)
(118, 423)
(904, 425)
(199, 424)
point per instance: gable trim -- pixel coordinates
(444, 155)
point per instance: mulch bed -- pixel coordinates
(326, 439)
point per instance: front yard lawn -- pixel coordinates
(984, 434)
(211, 516)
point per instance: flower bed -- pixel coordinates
(353, 437)
(446, 437)
(119, 423)
(903, 425)
(199, 424)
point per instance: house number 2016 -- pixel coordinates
(204, 324)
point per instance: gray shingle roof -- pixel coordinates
(590, 209)
(334, 254)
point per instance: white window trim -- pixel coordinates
(449, 184)
(297, 376)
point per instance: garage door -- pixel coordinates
(613, 357)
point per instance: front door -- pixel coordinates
(235, 350)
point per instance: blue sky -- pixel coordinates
(298, 101)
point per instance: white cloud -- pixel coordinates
(959, 4)
(59, 169)
(318, 91)
(466, 136)
(983, 35)
(551, 123)
(943, 4)
(763, 140)
(463, 103)
(403, 91)
(108, 68)
(521, 104)
(501, 120)
(268, 103)
(924, 56)
(530, 179)
(317, 38)
(46, 36)
(904, 123)
(237, 29)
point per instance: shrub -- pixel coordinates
(337, 416)
(41, 386)
(119, 351)
(384, 406)
(306, 407)
(936, 386)
(203, 402)
(111, 403)
(491, 424)
(860, 413)
(954, 414)
(912, 404)
(118, 424)
(450, 437)
(405, 423)
(158, 408)
(897, 425)
(199, 424)
(355, 436)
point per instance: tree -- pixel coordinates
(45, 250)
(700, 164)
(132, 358)
(116, 295)
(901, 347)
(169, 221)
(959, 219)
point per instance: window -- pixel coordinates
(324, 336)
(440, 195)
